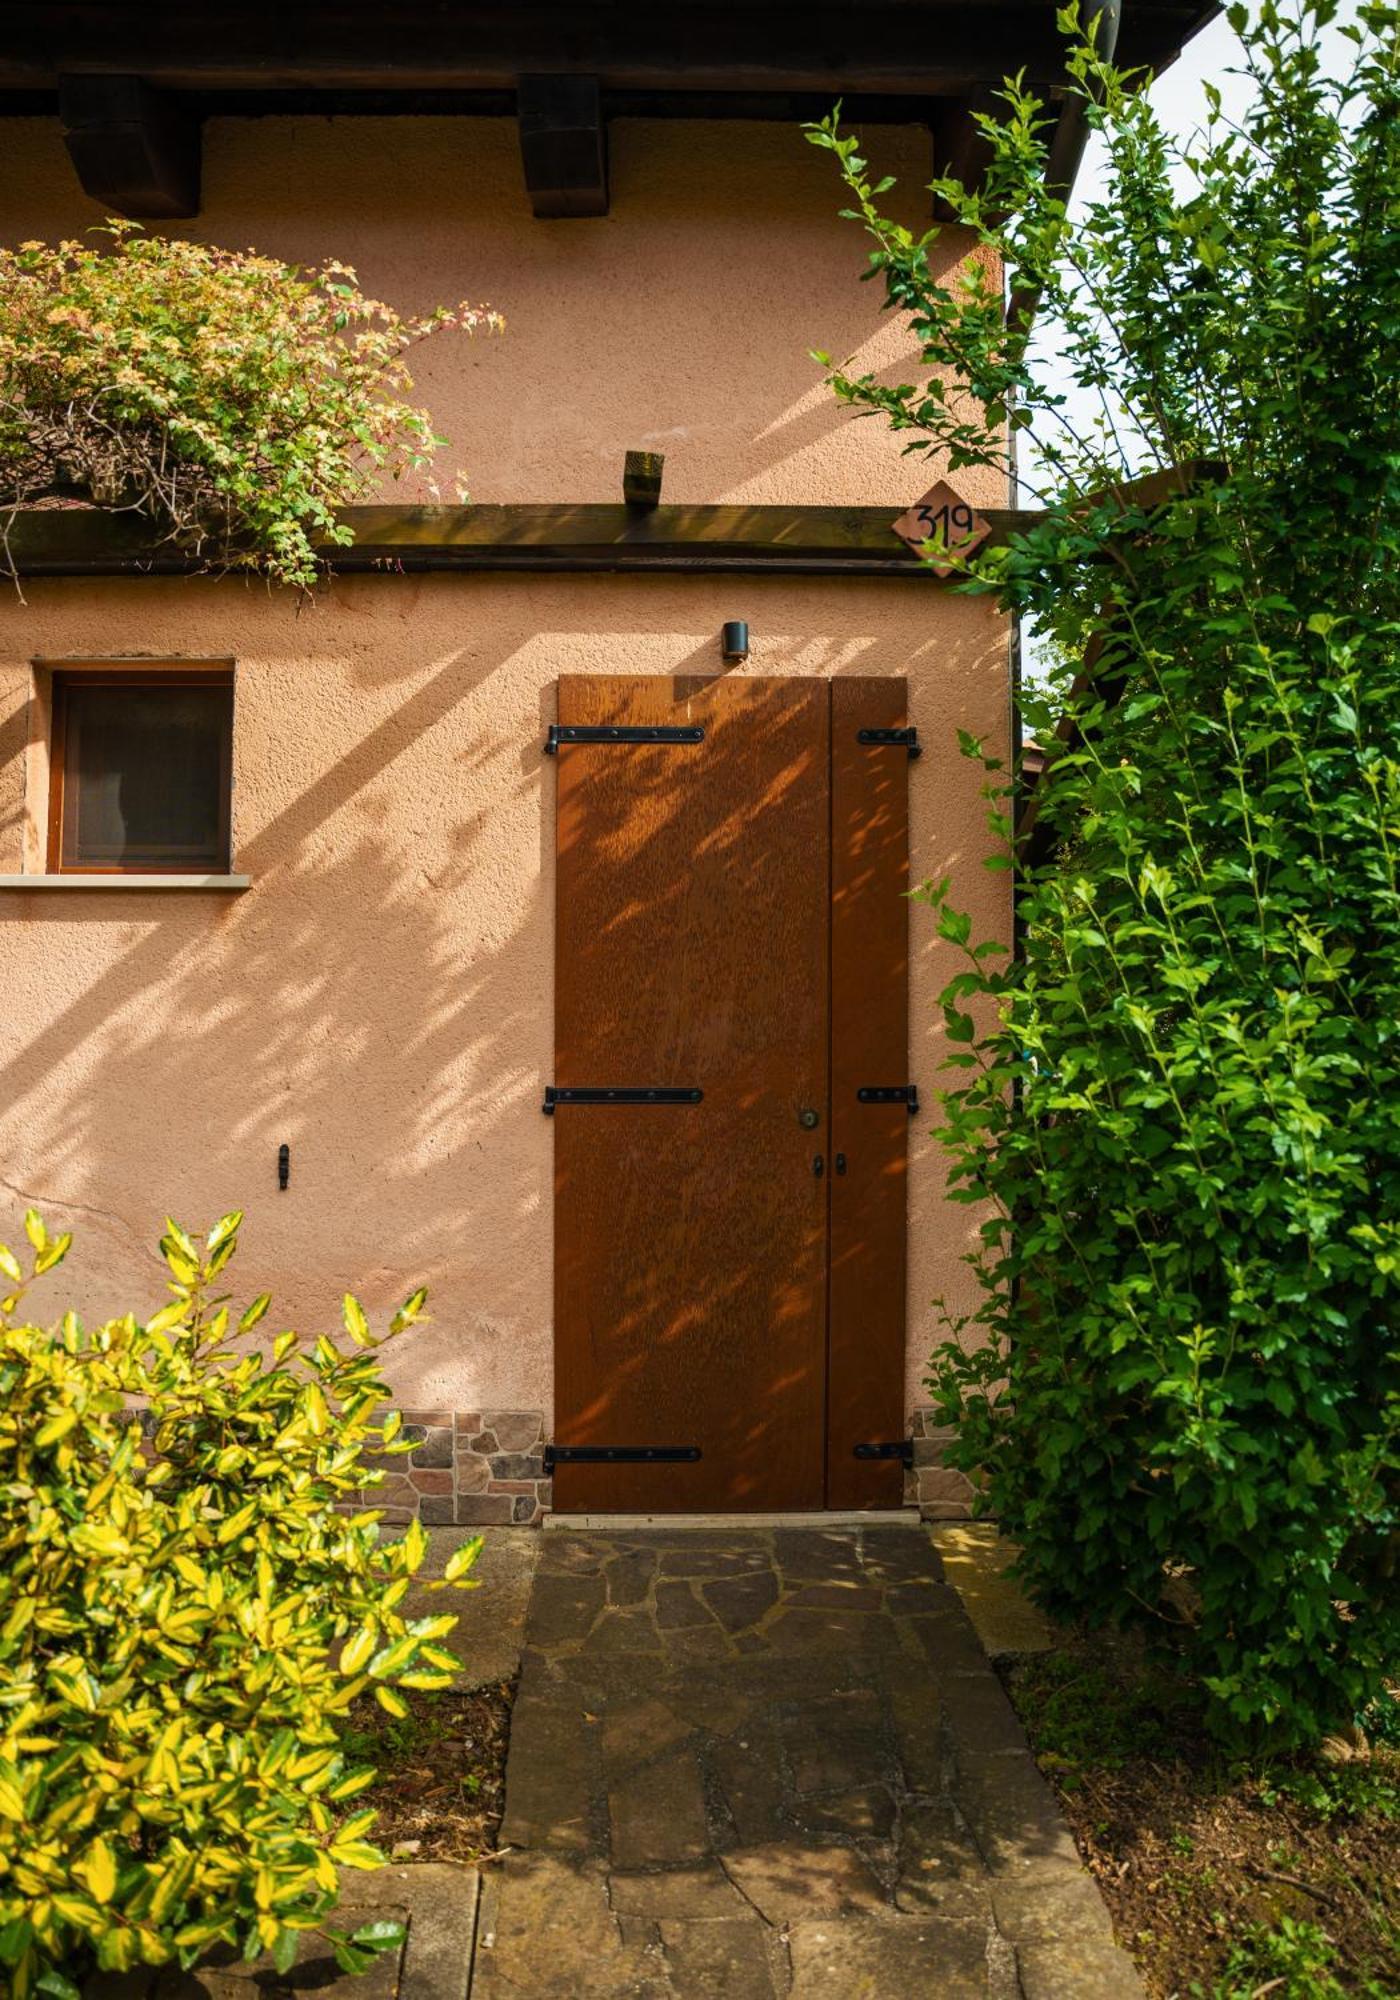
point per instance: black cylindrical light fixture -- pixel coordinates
(734, 642)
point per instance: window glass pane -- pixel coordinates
(144, 777)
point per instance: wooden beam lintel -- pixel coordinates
(814, 540)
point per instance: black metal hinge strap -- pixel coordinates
(890, 1093)
(619, 1454)
(574, 732)
(903, 739)
(607, 1093)
(903, 1451)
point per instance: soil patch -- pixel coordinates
(1223, 1881)
(441, 1786)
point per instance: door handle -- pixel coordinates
(818, 1165)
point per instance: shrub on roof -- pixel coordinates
(232, 401)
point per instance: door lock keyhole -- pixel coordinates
(809, 1119)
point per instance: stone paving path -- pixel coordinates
(759, 1763)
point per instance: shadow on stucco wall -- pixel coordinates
(381, 1000)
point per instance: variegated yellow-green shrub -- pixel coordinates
(185, 1617)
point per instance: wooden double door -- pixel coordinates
(730, 1098)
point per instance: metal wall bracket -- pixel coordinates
(577, 732)
(596, 1093)
(904, 739)
(903, 1450)
(619, 1454)
(892, 1093)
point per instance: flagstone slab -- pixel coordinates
(657, 1813)
(837, 1743)
(871, 1959)
(936, 1854)
(491, 1616)
(547, 1928)
(740, 1601)
(553, 1778)
(750, 1787)
(703, 1893)
(867, 1813)
(1090, 1969)
(731, 1958)
(1012, 1814)
(789, 1879)
(563, 1608)
(638, 1731)
(978, 1562)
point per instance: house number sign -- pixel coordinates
(944, 515)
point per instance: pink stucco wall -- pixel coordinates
(380, 998)
(682, 322)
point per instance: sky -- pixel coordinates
(1208, 57)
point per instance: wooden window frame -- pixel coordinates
(143, 673)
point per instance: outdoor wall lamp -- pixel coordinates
(734, 642)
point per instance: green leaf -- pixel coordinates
(356, 1854)
(349, 1959)
(462, 1559)
(225, 1230)
(54, 1983)
(381, 1934)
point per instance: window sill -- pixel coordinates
(128, 883)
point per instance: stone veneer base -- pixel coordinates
(468, 1468)
(485, 1468)
(938, 1491)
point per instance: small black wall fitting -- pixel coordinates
(284, 1165)
(734, 641)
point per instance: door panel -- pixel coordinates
(869, 1046)
(690, 1240)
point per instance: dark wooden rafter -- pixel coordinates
(960, 146)
(920, 48)
(563, 69)
(136, 149)
(563, 145)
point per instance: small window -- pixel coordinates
(139, 776)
